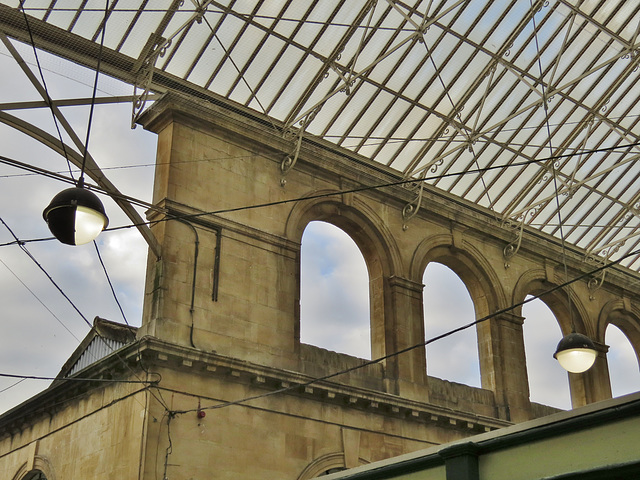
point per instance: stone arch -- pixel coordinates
(468, 263)
(624, 316)
(592, 385)
(40, 465)
(377, 245)
(486, 291)
(536, 282)
(326, 463)
(447, 305)
(335, 302)
(322, 464)
(357, 219)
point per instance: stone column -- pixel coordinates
(503, 365)
(404, 328)
(593, 385)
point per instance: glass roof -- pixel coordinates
(527, 108)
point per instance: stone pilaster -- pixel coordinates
(404, 328)
(503, 365)
(593, 385)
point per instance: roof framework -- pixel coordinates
(528, 108)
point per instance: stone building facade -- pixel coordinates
(220, 384)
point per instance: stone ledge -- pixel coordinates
(323, 390)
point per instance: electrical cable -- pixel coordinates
(98, 335)
(103, 28)
(309, 197)
(169, 218)
(12, 385)
(113, 292)
(270, 18)
(465, 133)
(48, 309)
(35, 261)
(553, 167)
(501, 311)
(52, 314)
(47, 98)
(193, 281)
(238, 71)
(58, 176)
(330, 194)
(62, 178)
(169, 450)
(49, 407)
(301, 416)
(40, 301)
(77, 379)
(171, 414)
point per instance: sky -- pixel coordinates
(40, 328)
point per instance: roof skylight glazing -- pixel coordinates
(520, 97)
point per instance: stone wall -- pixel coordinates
(214, 161)
(73, 433)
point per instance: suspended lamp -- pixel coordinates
(76, 216)
(576, 353)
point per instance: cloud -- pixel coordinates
(40, 328)
(334, 307)
(447, 305)
(548, 381)
(623, 363)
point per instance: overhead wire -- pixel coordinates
(339, 192)
(213, 11)
(12, 385)
(77, 379)
(58, 175)
(40, 301)
(554, 172)
(303, 198)
(43, 270)
(80, 181)
(73, 305)
(50, 406)
(103, 29)
(187, 216)
(52, 314)
(113, 292)
(44, 84)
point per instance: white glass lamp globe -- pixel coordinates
(75, 216)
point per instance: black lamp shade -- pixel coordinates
(75, 216)
(576, 353)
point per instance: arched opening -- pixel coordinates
(35, 475)
(334, 292)
(332, 470)
(448, 305)
(624, 373)
(548, 381)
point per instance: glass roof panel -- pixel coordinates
(38, 8)
(141, 27)
(60, 18)
(410, 85)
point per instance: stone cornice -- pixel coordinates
(287, 382)
(230, 228)
(149, 352)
